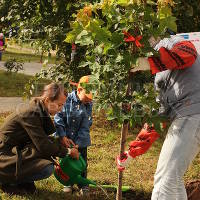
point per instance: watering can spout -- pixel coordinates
(84, 181)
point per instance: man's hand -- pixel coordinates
(2, 48)
(154, 41)
(74, 153)
(141, 65)
(67, 142)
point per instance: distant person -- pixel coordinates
(74, 121)
(2, 45)
(26, 148)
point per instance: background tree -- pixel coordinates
(187, 13)
(110, 37)
(46, 23)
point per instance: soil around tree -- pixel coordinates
(193, 190)
(97, 194)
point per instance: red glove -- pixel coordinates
(143, 141)
(122, 163)
(147, 133)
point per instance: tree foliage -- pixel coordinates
(99, 29)
(46, 22)
(105, 30)
(187, 13)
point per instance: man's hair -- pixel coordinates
(53, 91)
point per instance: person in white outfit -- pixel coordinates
(177, 80)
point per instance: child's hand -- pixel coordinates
(74, 153)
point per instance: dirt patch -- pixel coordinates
(193, 190)
(96, 194)
(192, 187)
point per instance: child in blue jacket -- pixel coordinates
(74, 121)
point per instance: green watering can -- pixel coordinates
(68, 171)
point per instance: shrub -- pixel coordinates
(13, 65)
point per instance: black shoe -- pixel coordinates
(29, 187)
(19, 189)
(12, 189)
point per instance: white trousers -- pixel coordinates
(180, 147)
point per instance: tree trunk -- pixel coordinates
(126, 108)
(41, 57)
(122, 148)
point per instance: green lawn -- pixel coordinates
(12, 84)
(101, 168)
(27, 53)
(28, 57)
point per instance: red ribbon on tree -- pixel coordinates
(73, 46)
(131, 38)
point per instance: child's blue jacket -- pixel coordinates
(74, 121)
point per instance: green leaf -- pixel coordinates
(123, 2)
(101, 34)
(107, 46)
(84, 39)
(119, 58)
(83, 33)
(70, 37)
(99, 49)
(117, 38)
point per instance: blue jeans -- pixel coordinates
(43, 174)
(46, 172)
(180, 147)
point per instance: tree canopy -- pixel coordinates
(100, 30)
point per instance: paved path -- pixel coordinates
(29, 68)
(8, 104)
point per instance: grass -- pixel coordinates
(27, 57)
(105, 146)
(102, 168)
(26, 53)
(12, 84)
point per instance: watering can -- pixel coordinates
(68, 171)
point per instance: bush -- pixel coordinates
(13, 65)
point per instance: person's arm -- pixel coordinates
(61, 129)
(137, 147)
(89, 112)
(182, 55)
(33, 126)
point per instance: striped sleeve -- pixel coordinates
(181, 56)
